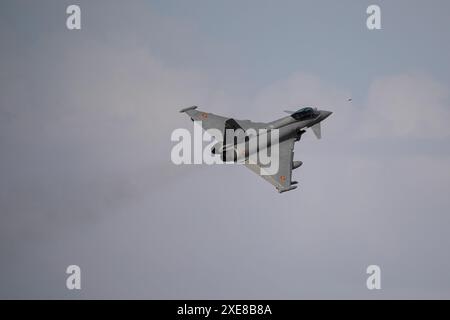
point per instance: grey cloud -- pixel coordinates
(412, 105)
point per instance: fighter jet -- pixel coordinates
(291, 128)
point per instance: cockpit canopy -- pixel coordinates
(306, 113)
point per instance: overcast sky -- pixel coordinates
(85, 171)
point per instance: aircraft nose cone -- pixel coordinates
(326, 114)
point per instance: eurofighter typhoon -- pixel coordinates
(288, 130)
